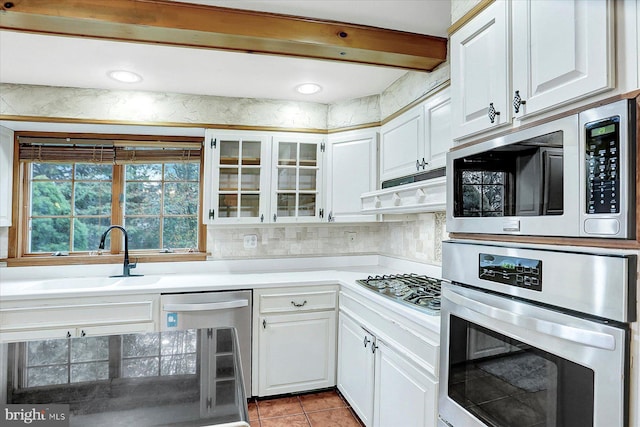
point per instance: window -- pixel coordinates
(74, 188)
(70, 361)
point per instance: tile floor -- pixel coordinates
(321, 409)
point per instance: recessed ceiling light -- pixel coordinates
(308, 88)
(124, 76)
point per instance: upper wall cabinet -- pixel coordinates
(6, 175)
(236, 179)
(352, 166)
(561, 52)
(417, 140)
(253, 177)
(297, 167)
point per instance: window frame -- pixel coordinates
(19, 233)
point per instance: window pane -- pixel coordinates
(87, 233)
(308, 179)
(51, 198)
(179, 342)
(229, 152)
(250, 179)
(251, 152)
(182, 172)
(228, 179)
(286, 179)
(137, 345)
(92, 198)
(142, 198)
(144, 233)
(227, 205)
(50, 234)
(286, 204)
(308, 154)
(47, 375)
(47, 352)
(181, 198)
(179, 365)
(144, 172)
(93, 371)
(51, 171)
(87, 171)
(145, 367)
(250, 205)
(180, 232)
(307, 205)
(89, 349)
(288, 153)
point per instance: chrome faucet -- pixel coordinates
(126, 268)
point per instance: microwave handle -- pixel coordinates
(567, 333)
(209, 306)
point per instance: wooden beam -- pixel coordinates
(199, 26)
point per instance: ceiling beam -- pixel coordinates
(199, 26)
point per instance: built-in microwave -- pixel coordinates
(573, 176)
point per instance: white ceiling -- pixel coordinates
(80, 62)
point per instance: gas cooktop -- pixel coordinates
(419, 292)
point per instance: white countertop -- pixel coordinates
(20, 283)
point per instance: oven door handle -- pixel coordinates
(207, 306)
(567, 333)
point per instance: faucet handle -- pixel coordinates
(133, 264)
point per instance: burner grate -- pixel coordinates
(417, 291)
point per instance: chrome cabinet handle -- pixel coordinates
(366, 341)
(518, 102)
(492, 113)
(374, 347)
(298, 305)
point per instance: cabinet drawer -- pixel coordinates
(285, 300)
(78, 312)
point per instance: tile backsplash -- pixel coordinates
(414, 237)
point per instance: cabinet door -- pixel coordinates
(356, 367)
(437, 126)
(236, 178)
(6, 175)
(296, 352)
(562, 51)
(404, 394)
(296, 178)
(402, 145)
(351, 170)
(480, 72)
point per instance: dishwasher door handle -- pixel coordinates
(206, 306)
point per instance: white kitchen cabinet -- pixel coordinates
(262, 177)
(236, 177)
(402, 144)
(6, 175)
(22, 320)
(352, 169)
(520, 58)
(294, 339)
(387, 364)
(562, 51)
(480, 72)
(404, 394)
(417, 140)
(297, 178)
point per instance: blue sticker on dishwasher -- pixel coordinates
(172, 320)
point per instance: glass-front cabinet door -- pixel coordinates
(296, 178)
(238, 173)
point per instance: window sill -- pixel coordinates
(40, 260)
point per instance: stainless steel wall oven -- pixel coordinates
(535, 337)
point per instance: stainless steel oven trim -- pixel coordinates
(601, 285)
(554, 225)
(470, 304)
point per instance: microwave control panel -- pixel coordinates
(602, 154)
(513, 271)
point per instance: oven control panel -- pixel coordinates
(513, 271)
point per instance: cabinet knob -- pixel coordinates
(366, 341)
(262, 218)
(374, 347)
(492, 113)
(68, 334)
(83, 334)
(417, 164)
(518, 102)
(275, 217)
(264, 323)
